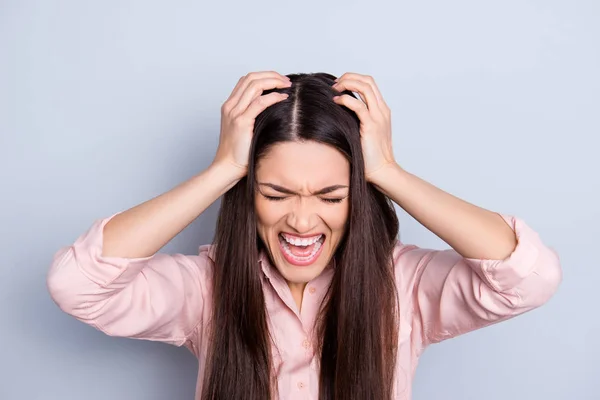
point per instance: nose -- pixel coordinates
(302, 217)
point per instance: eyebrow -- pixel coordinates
(324, 190)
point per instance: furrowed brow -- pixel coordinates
(330, 189)
(322, 191)
(278, 188)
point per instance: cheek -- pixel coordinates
(336, 217)
(267, 212)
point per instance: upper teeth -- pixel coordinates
(301, 241)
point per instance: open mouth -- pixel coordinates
(301, 251)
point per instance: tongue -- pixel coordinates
(301, 251)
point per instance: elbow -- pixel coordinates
(544, 280)
(58, 283)
(67, 286)
(552, 273)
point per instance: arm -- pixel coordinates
(498, 267)
(470, 230)
(112, 276)
(144, 229)
(113, 279)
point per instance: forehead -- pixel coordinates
(303, 164)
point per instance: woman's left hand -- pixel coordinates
(375, 120)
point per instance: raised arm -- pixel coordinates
(112, 276)
(498, 266)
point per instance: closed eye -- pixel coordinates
(274, 198)
(332, 200)
(281, 198)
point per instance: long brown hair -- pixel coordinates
(357, 325)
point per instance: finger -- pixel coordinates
(262, 103)
(368, 80)
(247, 80)
(363, 88)
(255, 89)
(244, 81)
(355, 105)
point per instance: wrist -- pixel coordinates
(226, 174)
(384, 174)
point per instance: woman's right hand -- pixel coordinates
(238, 114)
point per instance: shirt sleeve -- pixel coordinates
(452, 295)
(159, 298)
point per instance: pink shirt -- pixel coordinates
(166, 298)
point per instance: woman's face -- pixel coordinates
(302, 206)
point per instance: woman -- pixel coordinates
(305, 293)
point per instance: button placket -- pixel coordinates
(313, 363)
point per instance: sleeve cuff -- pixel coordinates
(506, 274)
(102, 270)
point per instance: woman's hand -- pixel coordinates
(375, 120)
(238, 114)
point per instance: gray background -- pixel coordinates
(106, 104)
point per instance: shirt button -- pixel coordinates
(301, 385)
(312, 290)
(306, 344)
